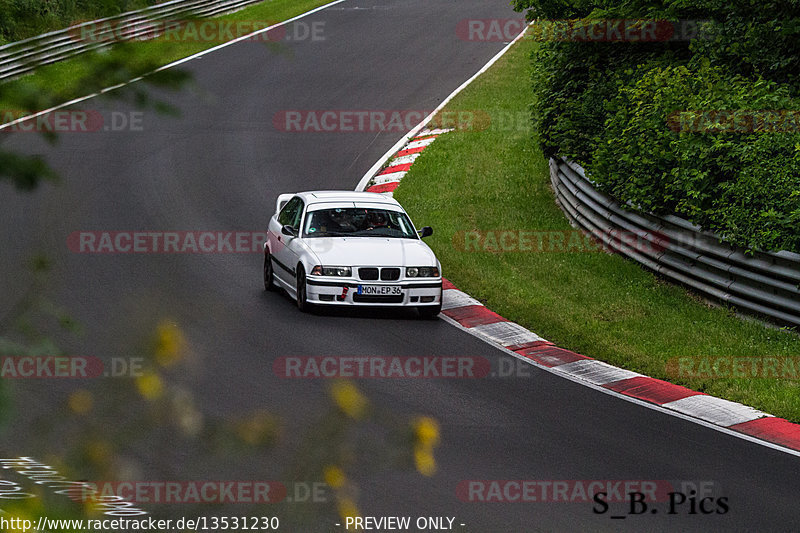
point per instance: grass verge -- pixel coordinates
(597, 304)
(66, 80)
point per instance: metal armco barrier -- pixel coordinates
(766, 284)
(24, 56)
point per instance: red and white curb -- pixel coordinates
(387, 180)
(468, 313)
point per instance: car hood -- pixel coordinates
(371, 251)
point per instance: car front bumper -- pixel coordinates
(326, 291)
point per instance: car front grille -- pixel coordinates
(390, 274)
(368, 273)
(384, 274)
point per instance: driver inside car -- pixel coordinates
(377, 220)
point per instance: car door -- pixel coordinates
(284, 251)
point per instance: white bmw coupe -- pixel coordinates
(350, 248)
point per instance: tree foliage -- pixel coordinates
(615, 108)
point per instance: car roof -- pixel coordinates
(318, 197)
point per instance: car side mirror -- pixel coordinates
(427, 231)
(288, 230)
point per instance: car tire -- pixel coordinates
(269, 275)
(302, 295)
(429, 312)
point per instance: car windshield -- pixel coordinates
(358, 222)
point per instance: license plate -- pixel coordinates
(379, 290)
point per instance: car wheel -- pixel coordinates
(302, 295)
(269, 284)
(429, 312)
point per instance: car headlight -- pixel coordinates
(422, 272)
(341, 272)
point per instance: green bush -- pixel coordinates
(20, 19)
(606, 105)
(726, 176)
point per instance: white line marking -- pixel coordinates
(165, 67)
(418, 128)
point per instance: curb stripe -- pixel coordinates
(474, 315)
(595, 371)
(424, 138)
(651, 390)
(551, 356)
(777, 430)
(452, 298)
(384, 187)
(420, 143)
(528, 346)
(715, 410)
(506, 333)
(396, 168)
(404, 160)
(435, 131)
(410, 151)
(386, 178)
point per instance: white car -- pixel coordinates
(350, 248)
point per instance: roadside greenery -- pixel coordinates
(615, 107)
(600, 305)
(20, 19)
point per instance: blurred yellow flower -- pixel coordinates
(426, 430)
(99, 452)
(349, 399)
(80, 401)
(424, 460)
(347, 508)
(261, 428)
(170, 343)
(334, 476)
(150, 386)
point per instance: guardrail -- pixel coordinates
(24, 56)
(766, 284)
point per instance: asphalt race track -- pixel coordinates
(219, 166)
